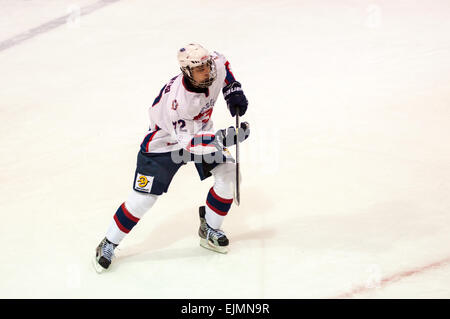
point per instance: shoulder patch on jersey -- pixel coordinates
(167, 90)
(174, 104)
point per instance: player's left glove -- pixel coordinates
(228, 137)
(235, 98)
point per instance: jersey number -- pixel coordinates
(180, 122)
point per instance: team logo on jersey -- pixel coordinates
(174, 105)
(143, 183)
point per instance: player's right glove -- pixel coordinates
(228, 137)
(235, 98)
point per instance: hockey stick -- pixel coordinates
(237, 194)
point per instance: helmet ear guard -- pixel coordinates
(187, 71)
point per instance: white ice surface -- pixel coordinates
(346, 176)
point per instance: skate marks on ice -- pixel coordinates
(383, 282)
(52, 24)
(373, 248)
(357, 250)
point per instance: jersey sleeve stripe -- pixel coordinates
(229, 78)
(204, 139)
(146, 142)
(158, 98)
(201, 139)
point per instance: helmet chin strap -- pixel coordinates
(202, 85)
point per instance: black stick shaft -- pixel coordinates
(238, 195)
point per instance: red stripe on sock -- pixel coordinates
(128, 214)
(218, 212)
(220, 199)
(126, 231)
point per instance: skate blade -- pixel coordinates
(97, 267)
(205, 244)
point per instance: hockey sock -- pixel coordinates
(122, 223)
(216, 208)
(129, 214)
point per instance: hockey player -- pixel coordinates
(180, 131)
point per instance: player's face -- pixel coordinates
(201, 73)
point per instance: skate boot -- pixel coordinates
(210, 238)
(103, 255)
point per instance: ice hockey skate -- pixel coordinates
(103, 255)
(212, 239)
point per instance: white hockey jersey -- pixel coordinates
(179, 117)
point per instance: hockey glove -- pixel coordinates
(228, 137)
(235, 98)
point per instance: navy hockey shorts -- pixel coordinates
(154, 172)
